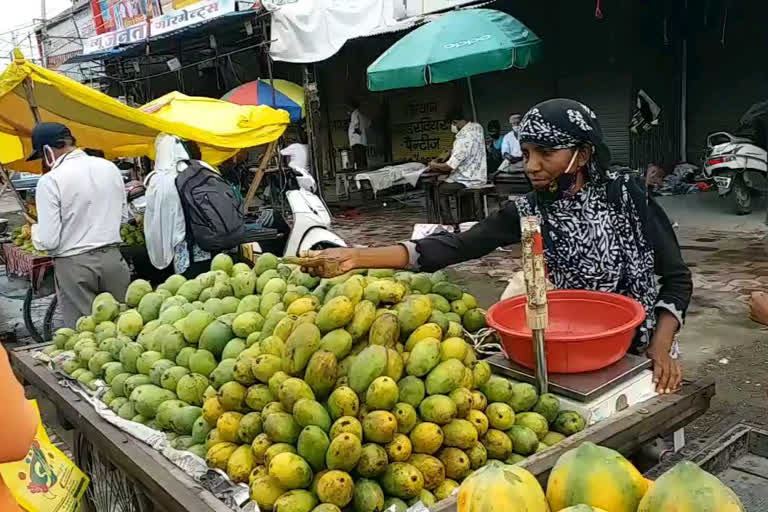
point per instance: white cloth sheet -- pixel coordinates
(393, 175)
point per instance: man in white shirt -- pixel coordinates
(466, 167)
(358, 135)
(80, 203)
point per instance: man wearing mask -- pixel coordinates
(358, 135)
(80, 203)
(466, 167)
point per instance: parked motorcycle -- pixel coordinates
(738, 162)
(309, 228)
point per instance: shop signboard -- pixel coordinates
(197, 12)
(132, 29)
(419, 126)
(115, 38)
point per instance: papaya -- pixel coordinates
(601, 477)
(688, 487)
(498, 483)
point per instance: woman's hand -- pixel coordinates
(328, 263)
(667, 372)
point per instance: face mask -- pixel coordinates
(494, 134)
(565, 182)
(454, 128)
(48, 156)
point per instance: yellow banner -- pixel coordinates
(46, 480)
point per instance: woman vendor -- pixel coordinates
(601, 232)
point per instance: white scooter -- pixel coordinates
(310, 219)
(739, 163)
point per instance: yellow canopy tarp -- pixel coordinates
(100, 122)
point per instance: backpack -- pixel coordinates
(211, 209)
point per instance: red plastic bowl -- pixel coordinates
(587, 330)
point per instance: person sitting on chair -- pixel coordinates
(466, 167)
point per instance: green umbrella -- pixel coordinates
(460, 44)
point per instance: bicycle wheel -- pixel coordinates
(28, 322)
(48, 321)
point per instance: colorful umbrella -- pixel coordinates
(460, 44)
(287, 96)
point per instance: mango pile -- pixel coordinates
(22, 238)
(353, 393)
(593, 478)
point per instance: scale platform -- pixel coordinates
(580, 387)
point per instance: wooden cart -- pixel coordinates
(153, 482)
(163, 487)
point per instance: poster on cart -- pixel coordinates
(45, 479)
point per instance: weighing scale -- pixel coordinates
(595, 395)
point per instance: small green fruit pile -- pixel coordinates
(354, 393)
(133, 235)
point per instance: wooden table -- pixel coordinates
(165, 486)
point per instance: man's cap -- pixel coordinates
(47, 134)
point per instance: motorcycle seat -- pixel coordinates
(256, 233)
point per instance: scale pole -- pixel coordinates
(536, 309)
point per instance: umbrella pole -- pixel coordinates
(536, 310)
(15, 192)
(472, 99)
